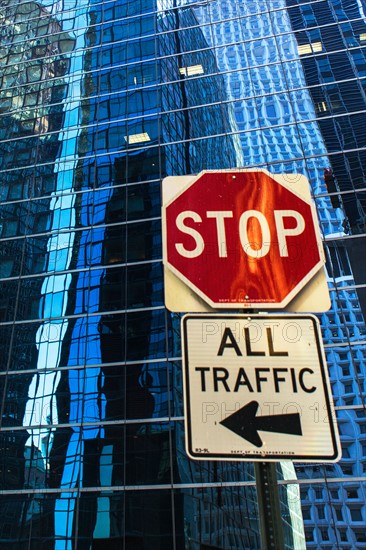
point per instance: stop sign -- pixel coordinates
(241, 239)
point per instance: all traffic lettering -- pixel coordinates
(228, 341)
(244, 392)
(220, 378)
(283, 230)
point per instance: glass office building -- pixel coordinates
(295, 75)
(99, 101)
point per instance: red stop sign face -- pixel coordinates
(241, 238)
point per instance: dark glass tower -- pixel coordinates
(273, 57)
(92, 419)
(32, 90)
(99, 101)
(335, 79)
(334, 61)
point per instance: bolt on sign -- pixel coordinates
(240, 238)
(257, 388)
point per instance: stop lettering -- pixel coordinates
(241, 238)
(254, 248)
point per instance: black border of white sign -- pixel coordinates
(256, 387)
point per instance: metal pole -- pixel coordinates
(270, 518)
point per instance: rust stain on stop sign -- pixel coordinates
(248, 285)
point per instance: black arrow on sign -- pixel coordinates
(245, 423)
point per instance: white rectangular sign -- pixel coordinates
(256, 387)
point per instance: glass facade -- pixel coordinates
(295, 75)
(99, 101)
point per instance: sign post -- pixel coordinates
(256, 386)
(270, 518)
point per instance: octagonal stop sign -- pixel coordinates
(241, 238)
